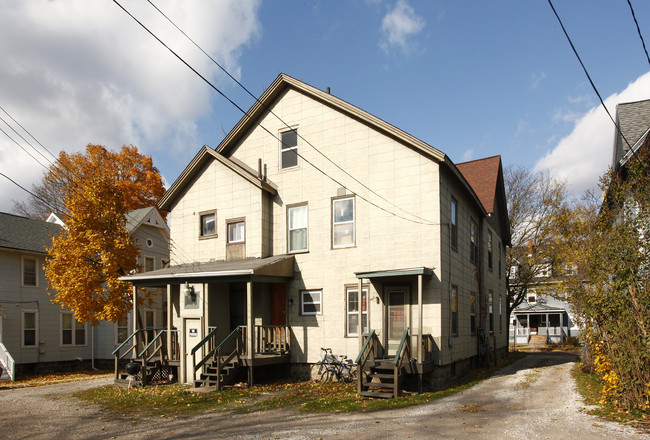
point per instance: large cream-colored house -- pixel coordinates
(309, 199)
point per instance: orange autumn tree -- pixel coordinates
(95, 249)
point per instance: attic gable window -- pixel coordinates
(208, 224)
(289, 149)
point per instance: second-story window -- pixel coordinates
(473, 243)
(454, 310)
(289, 149)
(298, 225)
(208, 224)
(236, 231)
(489, 249)
(343, 234)
(149, 264)
(30, 272)
(454, 223)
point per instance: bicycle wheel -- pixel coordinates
(316, 371)
(327, 375)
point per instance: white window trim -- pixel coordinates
(74, 333)
(235, 222)
(22, 270)
(128, 330)
(353, 222)
(22, 328)
(289, 230)
(364, 292)
(302, 302)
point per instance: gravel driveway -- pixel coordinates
(533, 398)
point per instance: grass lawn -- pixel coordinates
(177, 400)
(590, 386)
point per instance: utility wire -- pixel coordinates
(23, 148)
(25, 189)
(256, 122)
(593, 86)
(267, 108)
(638, 30)
(27, 131)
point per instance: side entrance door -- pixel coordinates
(397, 316)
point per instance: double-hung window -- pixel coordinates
(343, 234)
(489, 249)
(311, 302)
(73, 332)
(122, 330)
(236, 231)
(208, 224)
(491, 309)
(30, 328)
(454, 224)
(473, 243)
(352, 295)
(149, 264)
(30, 271)
(298, 226)
(472, 313)
(454, 310)
(289, 149)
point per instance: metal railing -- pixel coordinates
(7, 362)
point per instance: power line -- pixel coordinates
(267, 108)
(25, 189)
(27, 131)
(258, 123)
(638, 30)
(593, 86)
(21, 147)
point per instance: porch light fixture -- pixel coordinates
(189, 291)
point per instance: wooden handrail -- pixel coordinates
(368, 352)
(403, 352)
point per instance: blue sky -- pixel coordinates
(471, 78)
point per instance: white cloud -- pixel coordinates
(399, 25)
(468, 155)
(585, 154)
(76, 72)
(536, 79)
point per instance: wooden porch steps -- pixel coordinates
(537, 341)
(211, 377)
(378, 381)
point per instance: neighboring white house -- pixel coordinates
(276, 233)
(38, 335)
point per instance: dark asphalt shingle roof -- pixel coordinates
(22, 233)
(633, 119)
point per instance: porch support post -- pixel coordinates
(419, 339)
(250, 330)
(360, 324)
(135, 309)
(562, 327)
(547, 327)
(169, 321)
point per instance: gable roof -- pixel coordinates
(633, 119)
(148, 215)
(25, 234)
(482, 175)
(485, 176)
(284, 82)
(205, 155)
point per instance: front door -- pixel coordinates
(278, 304)
(192, 337)
(397, 317)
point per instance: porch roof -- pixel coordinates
(537, 308)
(277, 268)
(394, 273)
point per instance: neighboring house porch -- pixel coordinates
(541, 323)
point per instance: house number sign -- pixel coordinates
(194, 333)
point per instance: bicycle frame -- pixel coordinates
(330, 364)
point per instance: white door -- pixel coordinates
(193, 336)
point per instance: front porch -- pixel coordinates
(539, 325)
(208, 310)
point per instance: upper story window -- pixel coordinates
(149, 264)
(289, 149)
(343, 234)
(208, 224)
(30, 271)
(73, 332)
(473, 243)
(454, 224)
(298, 225)
(489, 249)
(472, 312)
(499, 250)
(236, 231)
(491, 309)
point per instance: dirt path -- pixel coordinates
(534, 398)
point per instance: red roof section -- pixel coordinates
(482, 175)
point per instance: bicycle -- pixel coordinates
(330, 368)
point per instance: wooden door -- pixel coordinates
(278, 304)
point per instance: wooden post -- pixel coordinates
(419, 351)
(135, 309)
(169, 321)
(250, 330)
(360, 323)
